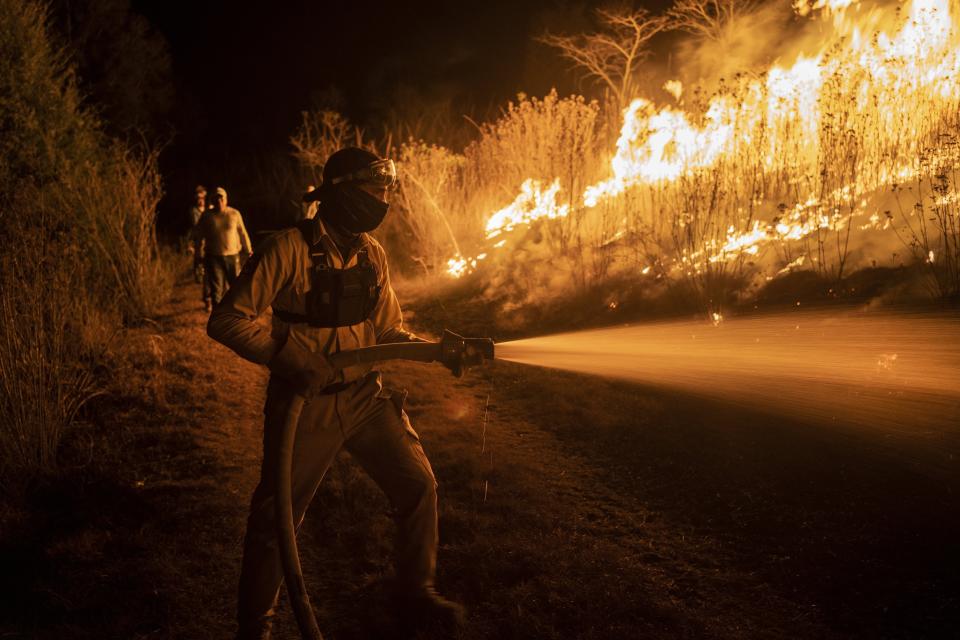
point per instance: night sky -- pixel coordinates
(254, 66)
(243, 72)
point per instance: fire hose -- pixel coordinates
(455, 352)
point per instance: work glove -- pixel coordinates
(306, 371)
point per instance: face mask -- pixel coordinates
(353, 209)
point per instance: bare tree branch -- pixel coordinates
(611, 56)
(709, 19)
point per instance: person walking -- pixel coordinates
(220, 242)
(199, 205)
(328, 284)
(196, 212)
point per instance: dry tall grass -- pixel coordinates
(77, 220)
(766, 173)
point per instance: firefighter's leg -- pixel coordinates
(319, 437)
(384, 443)
(386, 446)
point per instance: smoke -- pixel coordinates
(771, 33)
(748, 43)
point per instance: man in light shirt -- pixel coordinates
(219, 240)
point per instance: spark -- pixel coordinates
(674, 88)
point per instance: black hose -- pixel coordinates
(419, 351)
(287, 528)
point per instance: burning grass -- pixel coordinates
(838, 156)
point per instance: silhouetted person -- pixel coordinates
(199, 205)
(328, 284)
(197, 210)
(219, 241)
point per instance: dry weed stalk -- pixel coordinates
(930, 228)
(45, 372)
(77, 213)
(319, 135)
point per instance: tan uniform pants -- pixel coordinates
(377, 433)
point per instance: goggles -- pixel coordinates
(382, 173)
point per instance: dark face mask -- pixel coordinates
(352, 209)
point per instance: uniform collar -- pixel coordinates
(319, 233)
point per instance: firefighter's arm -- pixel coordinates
(234, 321)
(387, 316)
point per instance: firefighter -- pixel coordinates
(328, 284)
(220, 244)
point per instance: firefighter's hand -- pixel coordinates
(306, 371)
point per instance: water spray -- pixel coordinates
(896, 373)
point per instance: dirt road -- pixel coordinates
(571, 507)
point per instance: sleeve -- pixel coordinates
(387, 316)
(245, 244)
(234, 321)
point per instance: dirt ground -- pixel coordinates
(571, 507)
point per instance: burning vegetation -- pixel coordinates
(839, 154)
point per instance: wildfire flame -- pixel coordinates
(533, 203)
(902, 80)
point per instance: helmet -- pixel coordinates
(356, 165)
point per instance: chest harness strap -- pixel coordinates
(337, 297)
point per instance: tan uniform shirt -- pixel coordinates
(221, 233)
(279, 274)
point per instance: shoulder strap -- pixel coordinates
(317, 253)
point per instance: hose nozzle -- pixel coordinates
(458, 353)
